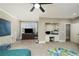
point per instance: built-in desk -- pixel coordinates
(53, 37)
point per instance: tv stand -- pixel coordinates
(27, 36)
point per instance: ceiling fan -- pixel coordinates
(39, 6)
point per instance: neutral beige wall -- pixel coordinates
(75, 21)
(14, 28)
(62, 30)
(75, 31)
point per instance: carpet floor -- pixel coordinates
(42, 49)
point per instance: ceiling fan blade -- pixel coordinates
(42, 9)
(32, 9)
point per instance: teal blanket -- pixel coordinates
(15, 52)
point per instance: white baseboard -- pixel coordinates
(41, 42)
(62, 41)
(45, 41)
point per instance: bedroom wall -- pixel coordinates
(75, 21)
(41, 28)
(75, 31)
(14, 28)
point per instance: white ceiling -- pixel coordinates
(56, 10)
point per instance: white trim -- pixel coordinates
(62, 41)
(55, 41)
(41, 42)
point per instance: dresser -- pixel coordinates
(26, 36)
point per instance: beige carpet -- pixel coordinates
(42, 49)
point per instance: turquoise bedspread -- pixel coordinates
(15, 52)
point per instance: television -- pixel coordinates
(28, 30)
(5, 27)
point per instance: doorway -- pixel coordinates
(29, 30)
(68, 28)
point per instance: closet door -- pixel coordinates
(75, 33)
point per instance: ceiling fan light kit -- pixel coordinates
(37, 6)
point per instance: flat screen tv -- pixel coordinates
(5, 27)
(28, 30)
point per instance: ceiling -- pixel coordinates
(55, 10)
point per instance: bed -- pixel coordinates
(5, 51)
(15, 52)
(62, 52)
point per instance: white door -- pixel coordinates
(75, 32)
